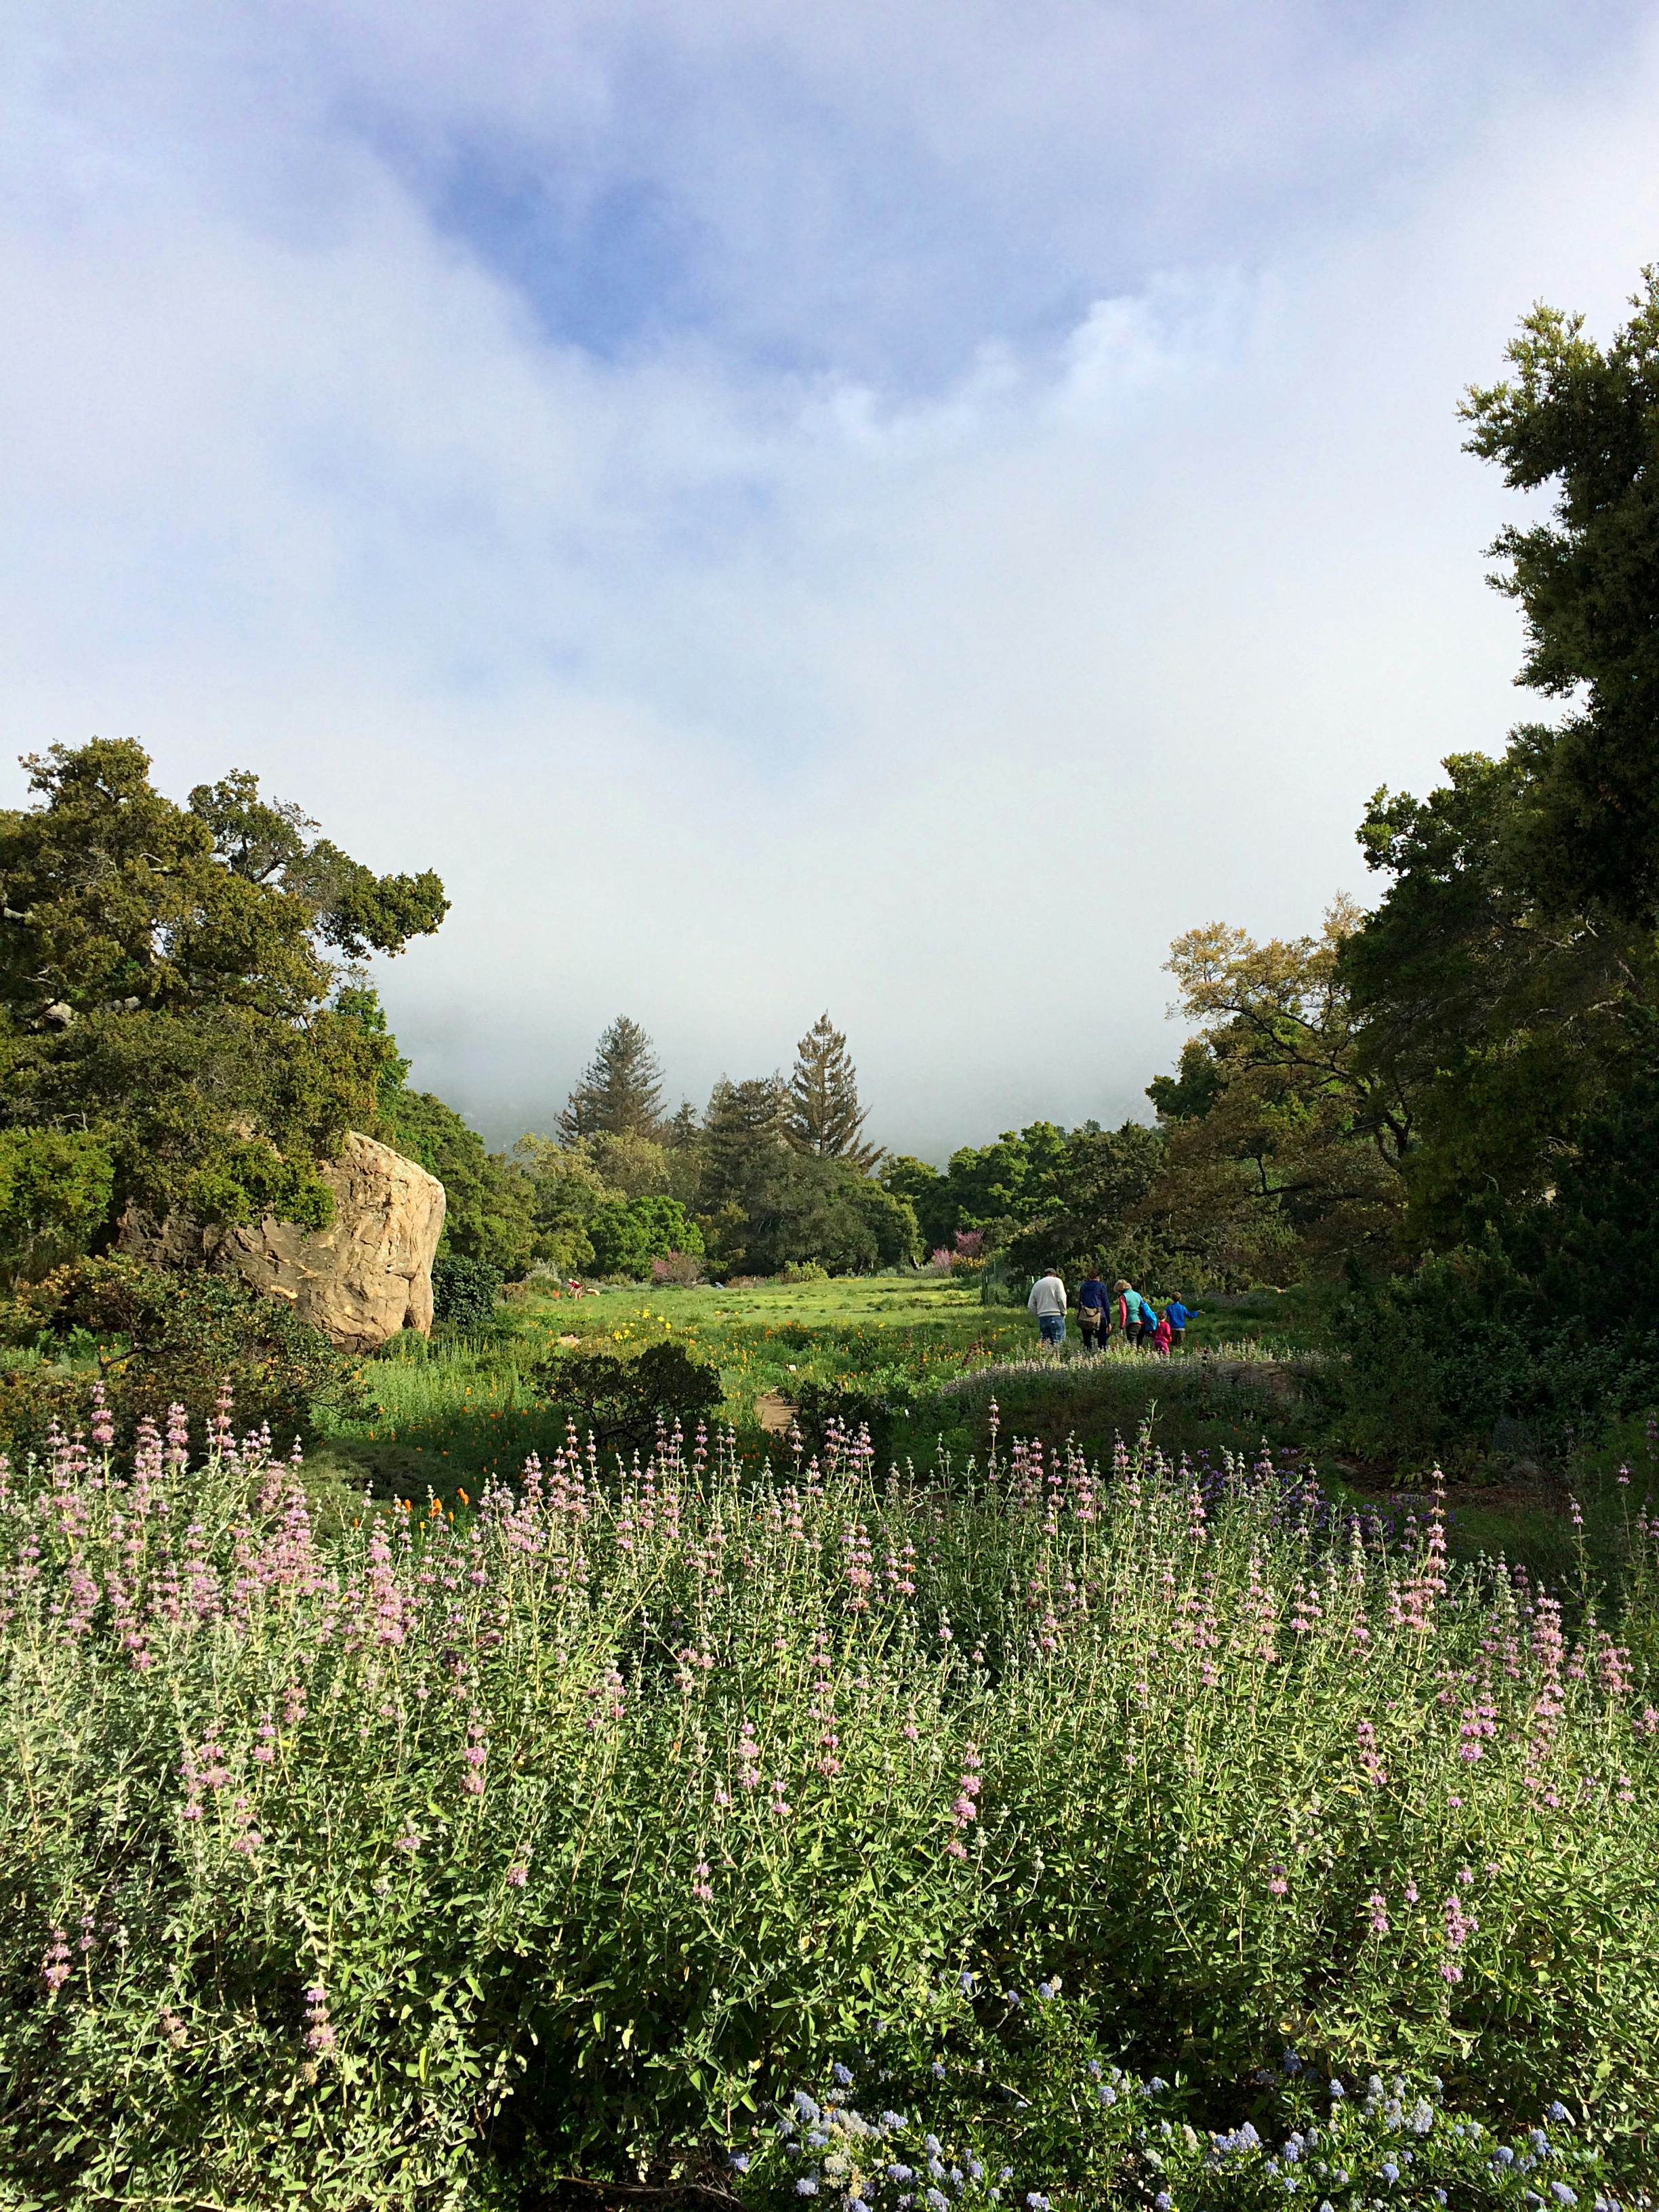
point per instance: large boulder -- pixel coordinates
(359, 1281)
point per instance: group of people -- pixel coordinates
(1100, 1313)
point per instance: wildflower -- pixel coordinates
(1376, 1904)
(899, 2172)
(320, 2034)
(807, 2185)
(54, 1964)
(739, 2161)
(1045, 1990)
(1277, 1884)
(1389, 2171)
(1037, 2200)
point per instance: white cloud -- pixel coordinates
(721, 690)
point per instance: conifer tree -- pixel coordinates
(824, 1117)
(620, 1093)
(746, 1122)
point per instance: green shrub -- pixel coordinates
(1444, 1363)
(421, 1862)
(627, 1234)
(805, 1271)
(464, 1292)
(55, 1192)
(620, 1398)
(162, 1338)
(883, 1400)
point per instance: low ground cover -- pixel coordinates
(427, 1860)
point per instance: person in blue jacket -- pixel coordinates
(1178, 1315)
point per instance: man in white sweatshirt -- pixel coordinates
(1048, 1302)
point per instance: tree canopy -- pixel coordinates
(165, 979)
(620, 1092)
(823, 1116)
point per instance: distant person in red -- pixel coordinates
(1163, 1337)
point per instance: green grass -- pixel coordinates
(451, 1414)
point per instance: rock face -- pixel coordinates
(359, 1281)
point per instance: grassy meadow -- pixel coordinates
(452, 1413)
(465, 1405)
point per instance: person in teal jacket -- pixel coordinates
(1135, 1317)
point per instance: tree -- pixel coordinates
(165, 974)
(744, 1125)
(925, 1192)
(1585, 422)
(824, 1117)
(629, 1234)
(489, 1205)
(1285, 1144)
(566, 1192)
(1502, 1021)
(620, 1093)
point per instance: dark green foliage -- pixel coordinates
(1191, 1092)
(464, 1292)
(55, 1189)
(1585, 422)
(1507, 986)
(164, 972)
(488, 1210)
(1541, 1333)
(824, 1117)
(620, 1093)
(886, 1400)
(620, 1398)
(163, 1338)
(925, 1192)
(764, 1202)
(627, 1234)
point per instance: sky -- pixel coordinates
(899, 509)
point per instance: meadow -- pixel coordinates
(1036, 1832)
(466, 1404)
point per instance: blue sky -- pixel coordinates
(898, 507)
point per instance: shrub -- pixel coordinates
(164, 1339)
(55, 1192)
(1444, 1365)
(620, 1398)
(882, 1399)
(680, 1268)
(627, 1234)
(333, 1867)
(464, 1291)
(805, 1271)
